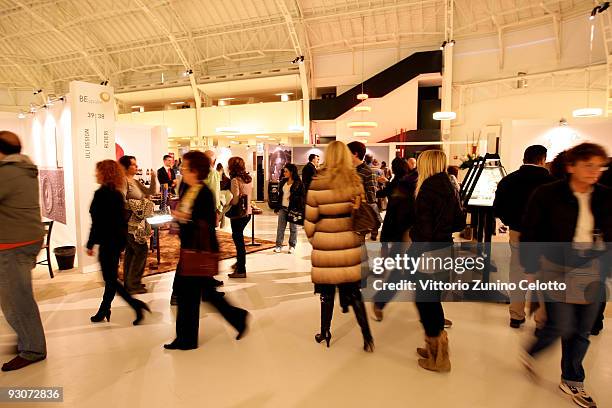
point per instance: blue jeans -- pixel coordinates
(238, 225)
(282, 226)
(18, 303)
(573, 323)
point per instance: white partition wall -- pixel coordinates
(148, 144)
(93, 140)
(519, 134)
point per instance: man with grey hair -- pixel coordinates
(21, 234)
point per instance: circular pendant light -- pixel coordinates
(445, 116)
(587, 112)
(362, 124)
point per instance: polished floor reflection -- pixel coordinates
(278, 363)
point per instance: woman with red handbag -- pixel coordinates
(198, 261)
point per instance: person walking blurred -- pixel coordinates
(109, 232)
(564, 223)
(196, 214)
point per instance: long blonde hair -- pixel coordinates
(429, 163)
(339, 167)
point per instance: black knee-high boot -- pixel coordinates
(327, 311)
(362, 320)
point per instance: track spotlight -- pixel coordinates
(37, 92)
(451, 43)
(599, 9)
(443, 45)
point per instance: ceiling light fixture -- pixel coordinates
(362, 96)
(177, 103)
(589, 112)
(21, 115)
(262, 137)
(227, 129)
(362, 124)
(296, 128)
(362, 109)
(361, 134)
(444, 116)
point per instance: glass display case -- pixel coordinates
(486, 185)
(482, 183)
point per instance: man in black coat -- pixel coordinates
(310, 170)
(167, 174)
(565, 239)
(511, 198)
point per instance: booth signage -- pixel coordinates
(93, 140)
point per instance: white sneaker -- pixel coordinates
(291, 250)
(277, 249)
(578, 394)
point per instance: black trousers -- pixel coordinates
(430, 309)
(190, 291)
(238, 226)
(109, 261)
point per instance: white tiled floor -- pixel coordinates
(278, 364)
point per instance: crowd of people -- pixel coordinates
(422, 206)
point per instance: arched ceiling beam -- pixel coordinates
(73, 42)
(302, 49)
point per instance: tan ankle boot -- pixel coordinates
(437, 354)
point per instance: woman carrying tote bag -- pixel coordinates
(197, 219)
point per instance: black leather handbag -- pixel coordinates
(240, 209)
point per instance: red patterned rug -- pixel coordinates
(170, 246)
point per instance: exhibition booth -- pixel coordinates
(66, 139)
